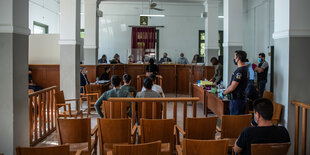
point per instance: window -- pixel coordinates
(39, 28)
(202, 43)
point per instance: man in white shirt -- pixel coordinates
(155, 87)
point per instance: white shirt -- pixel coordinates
(156, 88)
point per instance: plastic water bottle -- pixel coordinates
(97, 80)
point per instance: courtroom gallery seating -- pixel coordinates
(152, 148)
(51, 150)
(61, 102)
(203, 147)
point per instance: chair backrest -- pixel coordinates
(74, 131)
(201, 128)
(114, 130)
(203, 147)
(156, 129)
(59, 97)
(268, 95)
(277, 109)
(149, 110)
(118, 110)
(270, 148)
(30, 91)
(232, 125)
(51, 150)
(94, 88)
(152, 148)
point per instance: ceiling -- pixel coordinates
(176, 1)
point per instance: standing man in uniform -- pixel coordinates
(238, 84)
(262, 72)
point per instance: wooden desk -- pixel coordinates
(201, 94)
(216, 105)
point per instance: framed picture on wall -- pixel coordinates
(144, 20)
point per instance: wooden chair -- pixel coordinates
(119, 109)
(198, 128)
(268, 95)
(51, 150)
(203, 147)
(152, 148)
(270, 148)
(153, 130)
(232, 126)
(93, 92)
(30, 91)
(83, 96)
(113, 131)
(77, 133)
(61, 102)
(277, 109)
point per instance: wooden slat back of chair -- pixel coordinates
(268, 95)
(51, 150)
(201, 128)
(117, 110)
(152, 148)
(232, 125)
(149, 110)
(114, 130)
(203, 147)
(73, 131)
(270, 149)
(277, 108)
(154, 130)
(60, 97)
(94, 88)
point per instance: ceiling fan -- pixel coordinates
(153, 6)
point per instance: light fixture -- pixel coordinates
(221, 17)
(148, 15)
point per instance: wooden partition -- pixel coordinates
(153, 102)
(176, 78)
(42, 114)
(304, 107)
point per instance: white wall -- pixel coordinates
(45, 12)
(180, 34)
(44, 49)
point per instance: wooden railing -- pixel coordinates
(41, 114)
(304, 108)
(153, 101)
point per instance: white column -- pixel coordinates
(91, 33)
(14, 32)
(70, 48)
(291, 60)
(211, 30)
(233, 33)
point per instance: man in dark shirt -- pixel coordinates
(103, 59)
(83, 78)
(262, 72)
(127, 86)
(238, 84)
(164, 59)
(264, 132)
(106, 74)
(152, 68)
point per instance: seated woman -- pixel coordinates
(32, 85)
(155, 87)
(127, 86)
(115, 60)
(106, 74)
(148, 92)
(131, 60)
(151, 68)
(195, 59)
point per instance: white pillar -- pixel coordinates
(91, 33)
(291, 60)
(14, 32)
(211, 30)
(233, 36)
(70, 48)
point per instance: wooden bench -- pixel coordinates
(117, 105)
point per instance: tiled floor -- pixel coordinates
(52, 139)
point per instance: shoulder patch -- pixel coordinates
(238, 76)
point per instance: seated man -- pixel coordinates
(115, 92)
(148, 92)
(83, 78)
(127, 86)
(182, 60)
(264, 132)
(165, 59)
(106, 74)
(155, 87)
(32, 85)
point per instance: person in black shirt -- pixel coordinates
(264, 132)
(165, 59)
(262, 72)
(83, 78)
(115, 60)
(106, 74)
(32, 85)
(238, 84)
(151, 68)
(103, 59)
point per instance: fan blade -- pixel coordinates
(153, 5)
(158, 9)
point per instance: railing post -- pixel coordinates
(184, 113)
(296, 130)
(304, 130)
